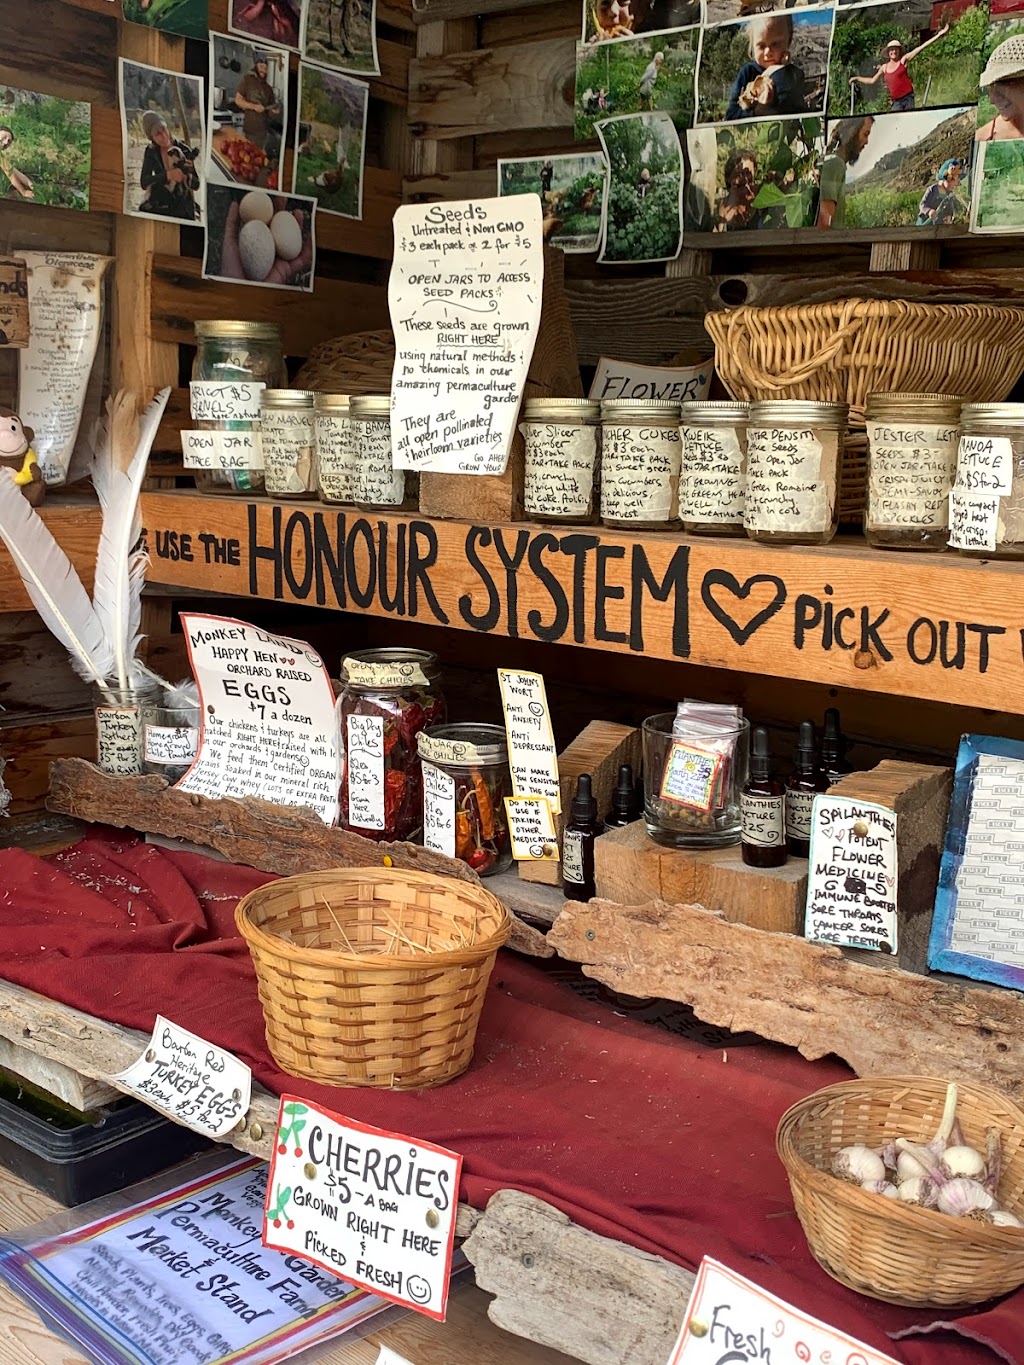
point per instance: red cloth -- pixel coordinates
(635, 1133)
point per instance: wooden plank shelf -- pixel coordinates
(929, 626)
(74, 520)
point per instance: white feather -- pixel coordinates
(53, 584)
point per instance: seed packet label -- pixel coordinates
(984, 464)
(851, 888)
(213, 400)
(187, 1078)
(372, 1207)
(730, 1318)
(691, 775)
(369, 674)
(532, 757)
(287, 441)
(170, 744)
(799, 807)
(119, 739)
(437, 750)
(711, 487)
(763, 820)
(973, 520)
(559, 469)
(221, 450)
(791, 479)
(438, 810)
(377, 481)
(640, 472)
(335, 457)
(531, 827)
(911, 470)
(364, 746)
(572, 857)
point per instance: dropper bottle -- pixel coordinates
(833, 748)
(581, 830)
(625, 805)
(762, 810)
(802, 786)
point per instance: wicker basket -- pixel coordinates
(892, 1251)
(356, 364)
(351, 993)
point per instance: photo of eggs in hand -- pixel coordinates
(256, 237)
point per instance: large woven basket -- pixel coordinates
(356, 364)
(371, 976)
(885, 1249)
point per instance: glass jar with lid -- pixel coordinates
(986, 506)
(335, 468)
(713, 475)
(378, 484)
(912, 444)
(560, 436)
(234, 363)
(640, 456)
(465, 781)
(387, 697)
(286, 437)
(794, 460)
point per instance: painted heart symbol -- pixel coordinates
(840, 834)
(890, 881)
(721, 578)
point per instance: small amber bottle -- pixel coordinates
(804, 783)
(626, 806)
(762, 810)
(833, 748)
(581, 829)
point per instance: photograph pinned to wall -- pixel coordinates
(897, 58)
(571, 190)
(997, 202)
(162, 139)
(248, 94)
(187, 17)
(754, 176)
(342, 34)
(607, 19)
(728, 11)
(636, 75)
(770, 66)
(256, 238)
(45, 149)
(331, 140)
(1001, 84)
(267, 21)
(642, 217)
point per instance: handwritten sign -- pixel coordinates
(437, 749)
(119, 739)
(560, 463)
(197, 1084)
(269, 727)
(911, 471)
(221, 450)
(438, 810)
(763, 820)
(375, 673)
(791, 479)
(465, 298)
(218, 400)
(691, 776)
(712, 483)
(335, 456)
(377, 479)
(640, 472)
(531, 828)
(364, 771)
(731, 1319)
(14, 316)
(376, 1207)
(984, 464)
(532, 757)
(617, 379)
(287, 441)
(973, 520)
(851, 888)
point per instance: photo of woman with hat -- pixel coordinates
(162, 131)
(1003, 80)
(895, 74)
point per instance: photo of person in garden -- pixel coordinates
(769, 66)
(751, 176)
(636, 75)
(643, 220)
(895, 73)
(45, 149)
(571, 190)
(998, 179)
(847, 139)
(604, 20)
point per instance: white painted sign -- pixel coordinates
(616, 379)
(465, 298)
(269, 726)
(195, 1083)
(438, 810)
(532, 757)
(731, 1319)
(219, 400)
(374, 1207)
(221, 450)
(531, 828)
(851, 886)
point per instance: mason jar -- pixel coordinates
(335, 467)
(286, 436)
(912, 444)
(640, 456)
(986, 506)
(560, 437)
(794, 462)
(713, 475)
(378, 484)
(234, 362)
(465, 781)
(119, 720)
(170, 737)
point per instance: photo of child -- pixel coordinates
(940, 202)
(571, 190)
(750, 176)
(162, 137)
(604, 20)
(1001, 104)
(770, 66)
(636, 75)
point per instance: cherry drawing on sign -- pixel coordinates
(721, 578)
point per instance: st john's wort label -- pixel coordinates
(438, 810)
(214, 400)
(852, 875)
(532, 757)
(531, 829)
(364, 771)
(799, 807)
(763, 820)
(373, 1207)
(197, 1084)
(119, 739)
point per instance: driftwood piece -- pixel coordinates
(880, 1020)
(594, 1298)
(281, 839)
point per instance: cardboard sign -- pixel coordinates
(197, 1084)
(373, 1207)
(731, 1319)
(851, 887)
(532, 757)
(617, 380)
(531, 828)
(269, 727)
(14, 323)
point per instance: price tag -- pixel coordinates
(364, 771)
(532, 757)
(691, 775)
(973, 520)
(851, 888)
(213, 400)
(119, 739)
(984, 464)
(531, 827)
(372, 1207)
(195, 1083)
(438, 810)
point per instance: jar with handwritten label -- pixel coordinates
(713, 474)
(693, 782)
(235, 362)
(986, 505)
(387, 697)
(286, 435)
(119, 720)
(379, 486)
(170, 737)
(465, 781)
(335, 465)
(640, 454)
(561, 438)
(912, 444)
(794, 459)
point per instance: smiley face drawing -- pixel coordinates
(419, 1289)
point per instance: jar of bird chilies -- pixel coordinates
(286, 436)
(378, 484)
(640, 447)
(912, 445)
(794, 459)
(335, 463)
(465, 781)
(560, 437)
(713, 475)
(986, 506)
(234, 363)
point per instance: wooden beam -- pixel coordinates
(55, 1078)
(823, 242)
(436, 40)
(924, 286)
(74, 521)
(523, 85)
(59, 50)
(435, 11)
(646, 321)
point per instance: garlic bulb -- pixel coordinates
(1003, 1218)
(917, 1190)
(963, 1161)
(882, 1187)
(963, 1198)
(915, 1161)
(909, 1168)
(858, 1164)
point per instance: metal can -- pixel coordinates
(712, 480)
(912, 445)
(794, 459)
(640, 458)
(561, 442)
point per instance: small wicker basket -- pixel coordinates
(371, 976)
(898, 1252)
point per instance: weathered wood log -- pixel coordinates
(592, 1297)
(273, 838)
(880, 1020)
(522, 85)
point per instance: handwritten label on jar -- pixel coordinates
(438, 810)
(221, 450)
(572, 857)
(911, 470)
(335, 457)
(691, 776)
(365, 771)
(639, 473)
(436, 750)
(374, 674)
(799, 806)
(377, 481)
(214, 400)
(531, 829)
(559, 469)
(119, 739)
(791, 479)
(170, 744)
(287, 441)
(532, 757)
(711, 487)
(984, 464)
(973, 520)
(763, 820)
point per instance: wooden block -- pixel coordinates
(54, 1078)
(630, 867)
(919, 794)
(887, 256)
(597, 750)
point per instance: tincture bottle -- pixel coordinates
(833, 748)
(802, 786)
(581, 829)
(625, 803)
(762, 810)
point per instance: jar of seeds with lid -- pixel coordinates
(378, 485)
(794, 459)
(561, 442)
(286, 435)
(640, 456)
(912, 444)
(713, 476)
(986, 506)
(335, 457)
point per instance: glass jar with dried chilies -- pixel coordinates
(465, 781)
(713, 475)
(234, 361)
(912, 445)
(794, 459)
(986, 506)
(561, 438)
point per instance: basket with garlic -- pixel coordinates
(910, 1190)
